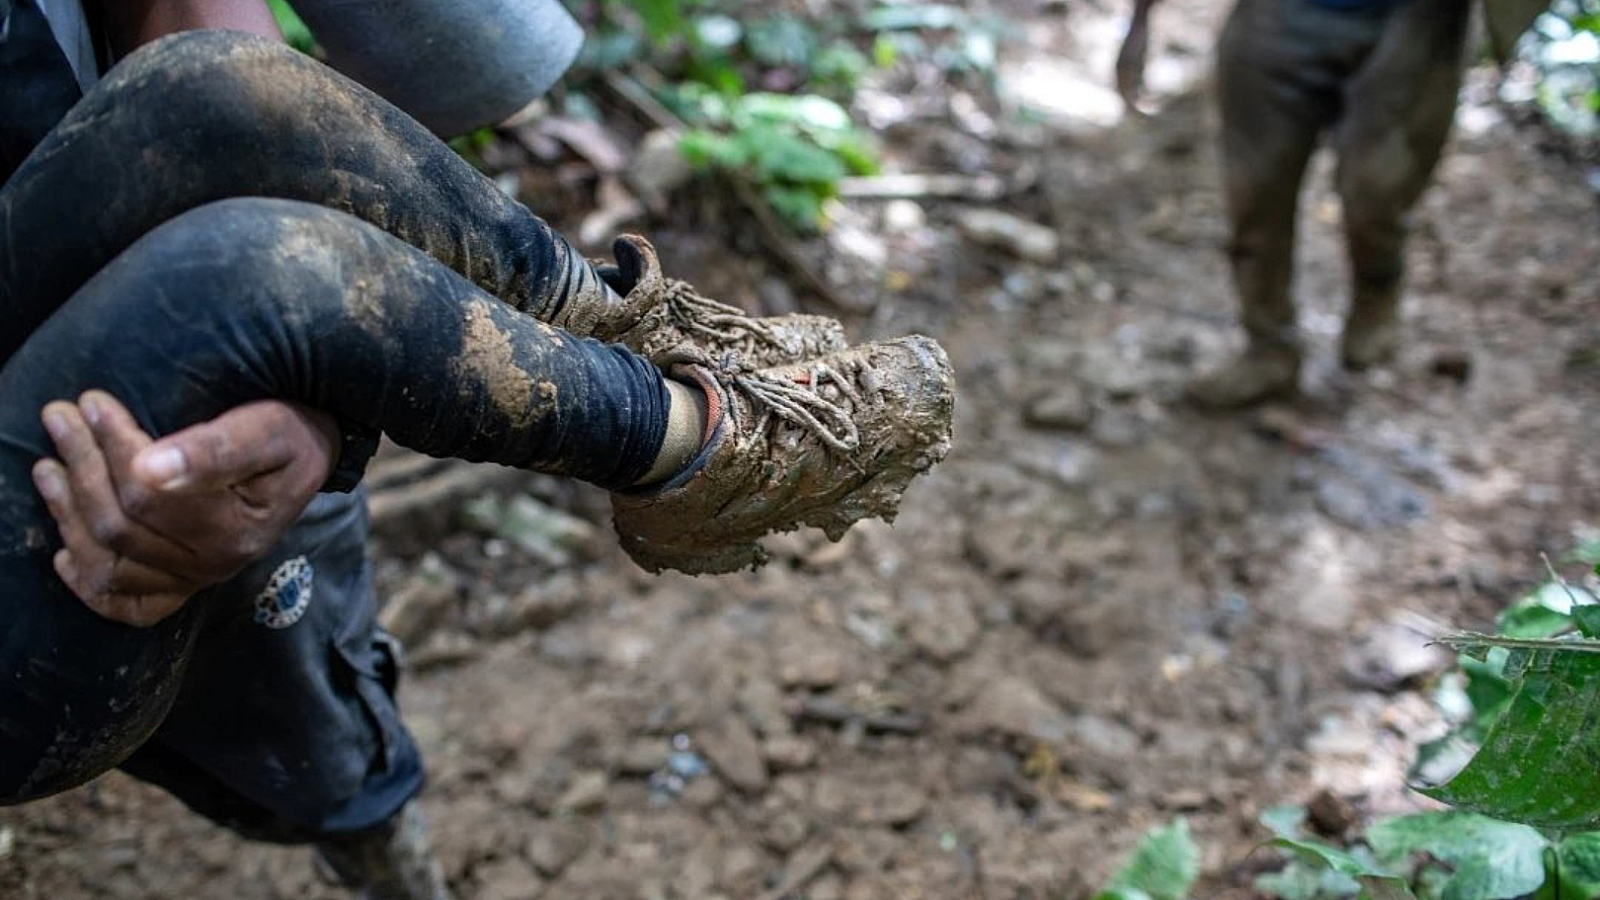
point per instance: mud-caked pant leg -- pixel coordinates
(1280, 68)
(208, 115)
(1398, 109)
(245, 300)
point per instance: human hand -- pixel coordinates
(147, 524)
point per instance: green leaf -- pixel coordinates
(1376, 883)
(801, 206)
(781, 41)
(1587, 618)
(1300, 881)
(1283, 821)
(914, 15)
(1578, 859)
(662, 18)
(783, 156)
(1163, 866)
(1537, 762)
(1490, 859)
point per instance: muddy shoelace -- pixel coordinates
(721, 323)
(793, 399)
(801, 403)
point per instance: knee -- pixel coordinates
(272, 258)
(220, 81)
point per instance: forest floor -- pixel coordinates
(1105, 609)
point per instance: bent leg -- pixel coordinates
(1273, 106)
(204, 116)
(316, 307)
(1401, 103)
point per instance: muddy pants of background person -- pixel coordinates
(1381, 80)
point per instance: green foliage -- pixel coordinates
(1537, 761)
(1564, 48)
(1521, 774)
(794, 148)
(294, 30)
(1486, 859)
(762, 90)
(1163, 867)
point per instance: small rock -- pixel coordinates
(789, 753)
(883, 801)
(810, 663)
(1104, 736)
(642, 756)
(1063, 407)
(414, 610)
(1029, 240)
(702, 793)
(1014, 707)
(658, 168)
(786, 831)
(762, 704)
(554, 845)
(941, 622)
(733, 750)
(903, 215)
(1185, 800)
(508, 878)
(1329, 814)
(586, 793)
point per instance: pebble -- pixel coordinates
(733, 750)
(586, 793)
(1013, 707)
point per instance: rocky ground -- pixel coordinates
(1105, 609)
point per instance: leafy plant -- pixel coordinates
(1564, 48)
(1163, 866)
(794, 148)
(1526, 798)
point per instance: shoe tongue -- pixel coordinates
(637, 266)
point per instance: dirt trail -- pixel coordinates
(1104, 609)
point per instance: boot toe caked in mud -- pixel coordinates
(825, 443)
(1251, 377)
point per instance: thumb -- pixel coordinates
(235, 447)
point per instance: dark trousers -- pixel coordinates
(391, 285)
(1383, 80)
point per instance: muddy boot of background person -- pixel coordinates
(1269, 128)
(1399, 105)
(393, 861)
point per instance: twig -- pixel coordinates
(1472, 639)
(777, 239)
(637, 95)
(913, 185)
(802, 867)
(1556, 577)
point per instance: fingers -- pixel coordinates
(87, 506)
(242, 443)
(111, 585)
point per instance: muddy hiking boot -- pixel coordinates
(393, 861)
(825, 442)
(1255, 375)
(659, 316)
(1371, 338)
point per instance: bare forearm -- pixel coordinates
(131, 23)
